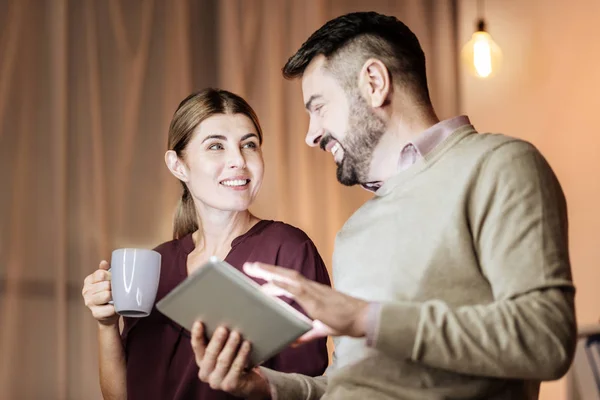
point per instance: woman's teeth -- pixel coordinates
(236, 182)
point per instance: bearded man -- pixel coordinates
(454, 281)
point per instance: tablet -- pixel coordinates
(219, 294)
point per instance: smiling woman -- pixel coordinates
(214, 136)
(214, 149)
(221, 169)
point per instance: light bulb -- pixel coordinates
(481, 54)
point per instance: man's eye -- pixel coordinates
(216, 146)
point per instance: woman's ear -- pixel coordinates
(176, 166)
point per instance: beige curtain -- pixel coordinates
(87, 89)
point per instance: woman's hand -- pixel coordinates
(222, 363)
(97, 293)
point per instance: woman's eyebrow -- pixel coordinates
(220, 137)
(248, 135)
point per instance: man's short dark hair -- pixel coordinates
(350, 40)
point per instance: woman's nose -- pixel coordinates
(236, 159)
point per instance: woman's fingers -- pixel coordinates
(104, 312)
(198, 342)
(214, 348)
(91, 291)
(98, 275)
(101, 298)
(224, 360)
(97, 292)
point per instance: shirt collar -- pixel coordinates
(431, 137)
(425, 142)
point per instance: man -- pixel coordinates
(454, 280)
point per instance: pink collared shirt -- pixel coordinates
(423, 144)
(410, 153)
(428, 140)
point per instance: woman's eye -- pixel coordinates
(216, 146)
(250, 145)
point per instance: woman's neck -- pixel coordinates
(217, 229)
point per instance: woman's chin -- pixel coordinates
(235, 205)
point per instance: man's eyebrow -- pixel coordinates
(312, 98)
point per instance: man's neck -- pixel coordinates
(403, 130)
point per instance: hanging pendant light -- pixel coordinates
(481, 54)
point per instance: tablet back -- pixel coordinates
(219, 294)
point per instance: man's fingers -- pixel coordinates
(308, 294)
(308, 337)
(198, 342)
(276, 291)
(302, 294)
(319, 330)
(271, 273)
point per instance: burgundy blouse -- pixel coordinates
(159, 356)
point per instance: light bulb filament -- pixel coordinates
(482, 57)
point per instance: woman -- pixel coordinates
(215, 151)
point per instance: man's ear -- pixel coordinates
(375, 83)
(176, 166)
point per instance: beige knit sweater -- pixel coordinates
(468, 253)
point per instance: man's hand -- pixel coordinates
(335, 313)
(223, 361)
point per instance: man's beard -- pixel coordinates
(365, 129)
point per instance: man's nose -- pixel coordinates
(313, 139)
(314, 134)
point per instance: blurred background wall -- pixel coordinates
(87, 90)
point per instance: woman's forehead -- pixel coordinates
(229, 125)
